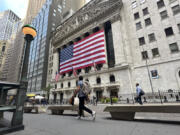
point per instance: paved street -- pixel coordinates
(46, 124)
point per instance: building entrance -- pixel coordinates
(99, 95)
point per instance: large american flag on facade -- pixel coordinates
(84, 53)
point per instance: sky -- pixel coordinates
(19, 7)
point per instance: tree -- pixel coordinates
(47, 90)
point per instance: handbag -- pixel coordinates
(71, 100)
(142, 93)
(76, 101)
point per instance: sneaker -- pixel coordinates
(93, 115)
(78, 117)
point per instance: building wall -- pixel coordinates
(130, 68)
(34, 7)
(167, 63)
(7, 21)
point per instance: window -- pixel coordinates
(69, 84)
(96, 29)
(99, 66)
(148, 22)
(144, 55)
(145, 11)
(138, 26)
(76, 82)
(112, 78)
(136, 15)
(152, 37)
(3, 48)
(70, 73)
(171, 1)
(134, 4)
(62, 85)
(174, 47)
(160, 4)
(63, 75)
(163, 14)
(178, 26)
(55, 86)
(179, 74)
(155, 52)
(78, 71)
(98, 80)
(141, 41)
(87, 69)
(176, 9)
(169, 31)
(86, 34)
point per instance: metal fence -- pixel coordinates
(162, 96)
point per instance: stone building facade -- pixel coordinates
(142, 45)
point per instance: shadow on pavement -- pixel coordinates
(154, 121)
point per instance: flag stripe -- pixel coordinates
(83, 60)
(87, 52)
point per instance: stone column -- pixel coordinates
(55, 63)
(120, 56)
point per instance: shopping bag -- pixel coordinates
(76, 101)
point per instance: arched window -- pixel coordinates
(86, 34)
(76, 82)
(98, 80)
(87, 69)
(96, 29)
(70, 73)
(62, 85)
(69, 84)
(78, 39)
(78, 71)
(112, 78)
(63, 75)
(99, 66)
(70, 43)
(3, 48)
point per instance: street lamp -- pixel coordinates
(30, 33)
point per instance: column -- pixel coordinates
(120, 56)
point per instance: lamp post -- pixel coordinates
(29, 33)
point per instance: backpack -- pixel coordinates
(86, 88)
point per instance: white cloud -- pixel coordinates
(18, 6)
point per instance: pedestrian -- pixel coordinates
(139, 92)
(94, 100)
(82, 97)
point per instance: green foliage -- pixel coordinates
(114, 100)
(105, 100)
(47, 90)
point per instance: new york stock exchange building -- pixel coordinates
(115, 44)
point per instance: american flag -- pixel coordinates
(57, 76)
(87, 52)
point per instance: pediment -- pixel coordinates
(91, 11)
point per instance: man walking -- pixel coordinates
(139, 94)
(82, 97)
